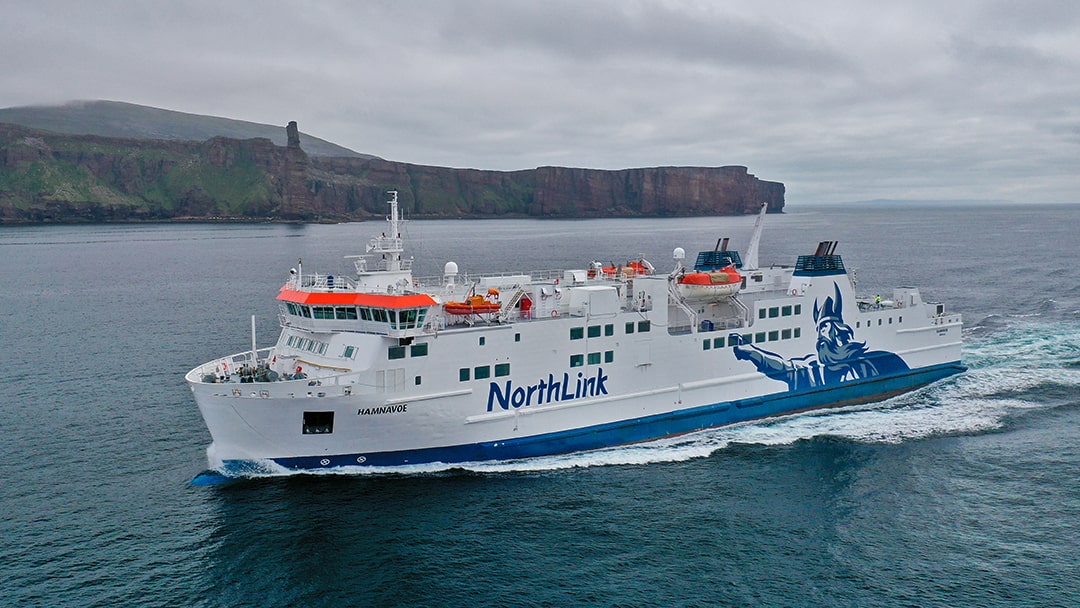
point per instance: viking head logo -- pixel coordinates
(835, 341)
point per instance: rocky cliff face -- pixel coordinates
(50, 177)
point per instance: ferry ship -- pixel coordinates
(381, 369)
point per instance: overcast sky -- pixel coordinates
(920, 99)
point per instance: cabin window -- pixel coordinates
(609, 356)
(482, 372)
(879, 322)
(517, 337)
(463, 374)
(643, 326)
(774, 335)
(759, 337)
(798, 332)
(577, 333)
(786, 311)
(900, 320)
(798, 309)
(408, 318)
(630, 327)
(418, 350)
(785, 335)
(890, 320)
(761, 313)
(706, 344)
(318, 423)
(609, 330)
(594, 331)
(502, 369)
(718, 343)
(774, 312)
(594, 358)
(416, 381)
(396, 352)
(577, 360)
(482, 340)
(350, 352)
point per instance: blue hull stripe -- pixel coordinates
(633, 430)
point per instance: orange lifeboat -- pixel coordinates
(630, 269)
(713, 284)
(472, 305)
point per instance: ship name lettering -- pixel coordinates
(398, 408)
(547, 390)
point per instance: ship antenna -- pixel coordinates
(755, 240)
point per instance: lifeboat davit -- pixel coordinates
(473, 305)
(710, 285)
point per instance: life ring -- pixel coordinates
(554, 314)
(794, 292)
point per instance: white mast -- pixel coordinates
(751, 262)
(390, 246)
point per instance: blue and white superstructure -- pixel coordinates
(382, 369)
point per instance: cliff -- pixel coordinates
(52, 177)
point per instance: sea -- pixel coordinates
(965, 493)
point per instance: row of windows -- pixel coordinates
(858, 324)
(578, 333)
(755, 338)
(408, 318)
(311, 346)
(594, 358)
(779, 311)
(416, 350)
(482, 372)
